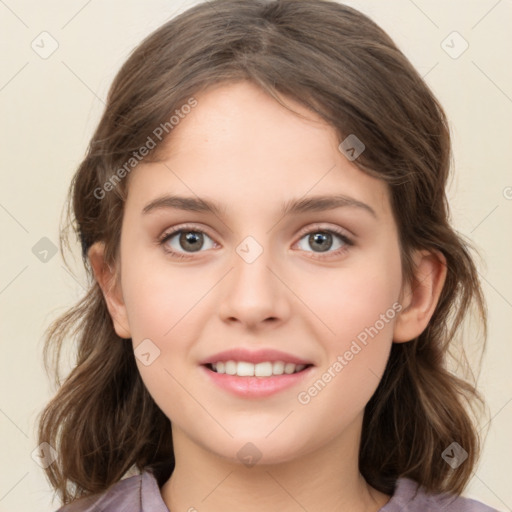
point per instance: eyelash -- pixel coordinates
(316, 229)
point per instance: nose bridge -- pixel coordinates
(252, 278)
(253, 292)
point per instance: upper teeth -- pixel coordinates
(266, 369)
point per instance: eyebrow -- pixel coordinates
(294, 206)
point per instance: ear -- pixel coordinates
(419, 296)
(108, 281)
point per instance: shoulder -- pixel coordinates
(410, 497)
(138, 493)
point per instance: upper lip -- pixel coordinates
(254, 356)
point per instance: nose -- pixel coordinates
(254, 294)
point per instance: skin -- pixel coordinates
(242, 149)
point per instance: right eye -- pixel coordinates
(183, 241)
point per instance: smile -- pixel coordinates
(256, 380)
(263, 369)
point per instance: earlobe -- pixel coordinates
(421, 295)
(108, 281)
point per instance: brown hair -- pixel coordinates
(341, 65)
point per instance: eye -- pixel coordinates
(185, 240)
(331, 241)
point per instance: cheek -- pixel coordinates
(160, 299)
(353, 298)
(358, 308)
(166, 311)
(355, 355)
(164, 322)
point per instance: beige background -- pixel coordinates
(49, 108)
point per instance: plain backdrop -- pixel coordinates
(50, 105)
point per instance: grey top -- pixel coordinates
(141, 493)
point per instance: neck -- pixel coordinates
(326, 479)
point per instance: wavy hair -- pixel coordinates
(341, 65)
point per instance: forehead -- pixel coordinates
(240, 146)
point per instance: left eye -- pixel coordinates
(323, 240)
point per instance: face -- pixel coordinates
(271, 268)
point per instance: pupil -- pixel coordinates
(321, 237)
(191, 237)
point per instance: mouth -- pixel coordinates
(262, 369)
(255, 374)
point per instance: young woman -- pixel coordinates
(275, 283)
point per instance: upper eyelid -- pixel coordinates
(186, 227)
(318, 227)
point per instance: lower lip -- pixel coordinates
(256, 387)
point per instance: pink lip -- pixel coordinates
(257, 356)
(255, 387)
